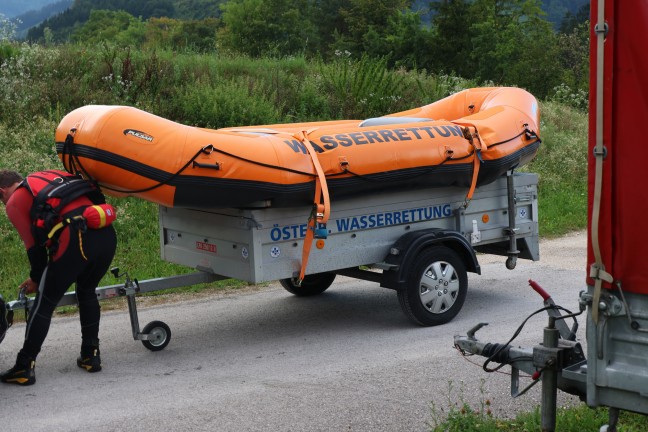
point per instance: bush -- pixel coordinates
(561, 164)
(243, 102)
(575, 98)
(362, 88)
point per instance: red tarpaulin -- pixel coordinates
(623, 229)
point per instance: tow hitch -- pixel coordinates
(545, 362)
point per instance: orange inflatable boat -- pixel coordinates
(467, 139)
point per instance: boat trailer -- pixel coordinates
(420, 243)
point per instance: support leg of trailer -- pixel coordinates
(134, 319)
(156, 335)
(612, 422)
(511, 231)
(130, 289)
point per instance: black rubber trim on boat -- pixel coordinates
(198, 191)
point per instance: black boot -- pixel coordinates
(22, 373)
(89, 358)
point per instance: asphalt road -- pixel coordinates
(261, 359)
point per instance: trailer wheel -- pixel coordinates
(313, 284)
(436, 287)
(160, 333)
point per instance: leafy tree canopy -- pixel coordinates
(108, 25)
(498, 42)
(261, 27)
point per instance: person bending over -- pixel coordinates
(71, 253)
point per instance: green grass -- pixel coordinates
(464, 418)
(457, 415)
(561, 164)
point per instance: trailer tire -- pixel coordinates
(313, 284)
(436, 287)
(161, 333)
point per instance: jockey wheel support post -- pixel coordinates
(156, 335)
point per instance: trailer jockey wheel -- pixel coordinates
(511, 262)
(312, 284)
(436, 287)
(160, 334)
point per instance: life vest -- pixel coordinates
(53, 190)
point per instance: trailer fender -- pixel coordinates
(405, 250)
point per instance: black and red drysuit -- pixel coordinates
(79, 255)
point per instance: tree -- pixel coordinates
(572, 20)
(266, 27)
(160, 31)
(196, 35)
(409, 42)
(64, 24)
(574, 57)
(197, 9)
(325, 14)
(34, 17)
(105, 25)
(513, 44)
(366, 24)
(453, 33)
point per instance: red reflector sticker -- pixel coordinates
(207, 247)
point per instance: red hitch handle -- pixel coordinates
(537, 288)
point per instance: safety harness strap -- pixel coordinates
(65, 222)
(79, 221)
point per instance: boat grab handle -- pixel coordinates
(215, 166)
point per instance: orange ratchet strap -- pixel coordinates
(321, 204)
(471, 134)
